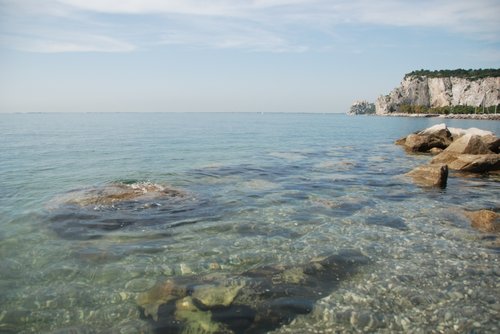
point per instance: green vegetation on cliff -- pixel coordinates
(459, 73)
(419, 109)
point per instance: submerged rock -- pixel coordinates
(387, 221)
(430, 175)
(256, 301)
(91, 212)
(116, 193)
(484, 220)
(213, 295)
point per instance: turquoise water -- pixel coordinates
(259, 189)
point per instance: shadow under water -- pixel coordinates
(256, 301)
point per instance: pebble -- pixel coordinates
(185, 269)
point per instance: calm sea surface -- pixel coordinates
(259, 190)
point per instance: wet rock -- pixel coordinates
(435, 175)
(116, 193)
(256, 301)
(139, 284)
(387, 221)
(160, 294)
(213, 295)
(476, 163)
(194, 320)
(91, 213)
(484, 220)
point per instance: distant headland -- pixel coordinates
(447, 93)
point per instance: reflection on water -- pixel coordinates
(252, 200)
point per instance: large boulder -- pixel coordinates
(470, 153)
(484, 220)
(468, 144)
(492, 142)
(430, 175)
(476, 163)
(436, 129)
(424, 143)
(458, 132)
(437, 136)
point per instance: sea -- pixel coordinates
(222, 194)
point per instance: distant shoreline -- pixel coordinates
(485, 117)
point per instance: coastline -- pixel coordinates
(487, 117)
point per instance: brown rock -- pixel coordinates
(484, 220)
(444, 157)
(435, 150)
(492, 142)
(423, 143)
(430, 175)
(476, 163)
(401, 141)
(468, 144)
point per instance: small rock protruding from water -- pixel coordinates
(430, 175)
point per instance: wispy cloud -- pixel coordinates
(57, 43)
(259, 25)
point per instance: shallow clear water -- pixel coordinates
(261, 189)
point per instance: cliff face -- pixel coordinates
(441, 92)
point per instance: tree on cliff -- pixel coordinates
(458, 73)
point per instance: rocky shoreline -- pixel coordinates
(485, 117)
(470, 151)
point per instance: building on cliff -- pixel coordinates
(425, 89)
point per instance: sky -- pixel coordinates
(231, 55)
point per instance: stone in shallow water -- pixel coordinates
(484, 220)
(256, 301)
(90, 213)
(435, 175)
(212, 295)
(387, 221)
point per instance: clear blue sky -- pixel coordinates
(231, 55)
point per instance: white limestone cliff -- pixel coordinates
(440, 92)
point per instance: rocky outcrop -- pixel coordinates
(469, 153)
(437, 136)
(435, 92)
(454, 149)
(362, 108)
(430, 175)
